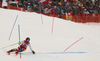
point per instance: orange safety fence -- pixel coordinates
(80, 18)
(0, 4)
(83, 18)
(15, 8)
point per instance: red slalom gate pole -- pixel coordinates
(72, 44)
(52, 26)
(52, 23)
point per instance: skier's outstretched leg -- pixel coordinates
(12, 50)
(17, 51)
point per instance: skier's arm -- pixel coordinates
(31, 49)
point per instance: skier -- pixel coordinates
(23, 46)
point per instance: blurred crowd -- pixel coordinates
(60, 6)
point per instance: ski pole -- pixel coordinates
(8, 46)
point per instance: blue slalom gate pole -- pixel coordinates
(40, 12)
(19, 38)
(13, 27)
(42, 18)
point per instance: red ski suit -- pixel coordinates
(23, 46)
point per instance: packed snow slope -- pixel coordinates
(48, 46)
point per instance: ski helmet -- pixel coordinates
(28, 39)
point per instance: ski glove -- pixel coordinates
(19, 43)
(33, 52)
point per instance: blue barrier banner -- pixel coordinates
(0, 0)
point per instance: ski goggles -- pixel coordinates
(28, 40)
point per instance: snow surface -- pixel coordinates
(48, 47)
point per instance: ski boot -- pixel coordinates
(8, 52)
(16, 52)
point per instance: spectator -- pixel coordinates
(20, 4)
(28, 6)
(61, 7)
(47, 11)
(25, 5)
